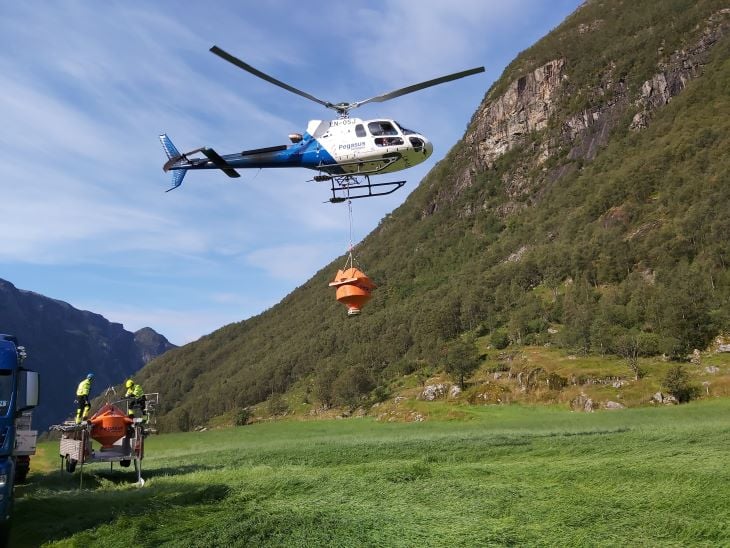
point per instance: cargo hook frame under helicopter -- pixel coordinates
(345, 151)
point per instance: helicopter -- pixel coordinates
(345, 151)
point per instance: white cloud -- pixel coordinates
(293, 263)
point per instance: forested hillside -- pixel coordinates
(585, 207)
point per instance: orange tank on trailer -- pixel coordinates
(109, 424)
(353, 289)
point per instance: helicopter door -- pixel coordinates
(385, 133)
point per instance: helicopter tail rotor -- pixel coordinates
(177, 178)
(173, 156)
(170, 149)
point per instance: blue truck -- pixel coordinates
(19, 393)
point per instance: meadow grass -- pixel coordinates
(504, 475)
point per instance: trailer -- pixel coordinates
(25, 445)
(120, 435)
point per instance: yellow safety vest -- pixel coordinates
(84, 388)
(135, 391)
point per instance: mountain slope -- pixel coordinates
(588, 193)
(64, 343)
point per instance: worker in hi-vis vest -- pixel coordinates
(82, 398)
(138, 401)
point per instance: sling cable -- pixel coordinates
(353, 285)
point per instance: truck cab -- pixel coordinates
(19, 391)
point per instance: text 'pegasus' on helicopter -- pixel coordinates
(345, 151)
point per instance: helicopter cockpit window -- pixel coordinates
(416, 143)
(388, 141)
(360, 130)
(404, 130)
(382, 128)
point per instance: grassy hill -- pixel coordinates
(500, 475)
(591, 215)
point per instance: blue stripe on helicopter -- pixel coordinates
(307, 154)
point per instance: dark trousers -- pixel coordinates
(138, 407)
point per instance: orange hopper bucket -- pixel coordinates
(353, 289)
(108, 425)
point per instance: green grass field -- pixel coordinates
(502, 475)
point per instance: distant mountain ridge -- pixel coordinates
(64, 344)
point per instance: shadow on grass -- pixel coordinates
(52, 514)
(95, 475)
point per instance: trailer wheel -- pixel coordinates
(70, 464)
(125, 463)
(22, 466)
(5, 533)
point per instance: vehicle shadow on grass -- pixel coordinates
(51, 513)
(95, 475)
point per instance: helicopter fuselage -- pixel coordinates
(335, 147)
(345, 151)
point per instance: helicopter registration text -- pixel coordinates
(344, 122)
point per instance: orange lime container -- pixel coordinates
(108, 425)
(353, 289)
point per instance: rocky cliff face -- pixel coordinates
(531, 114)
(681, 67)
(65, 343)
(526, 106)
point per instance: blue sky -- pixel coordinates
(86, 88)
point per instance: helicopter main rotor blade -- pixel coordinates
(248, 68)
(417, 87)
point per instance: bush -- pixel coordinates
(557, 382)
(676, 382)
(500, 339)
(243, 415)
(351, 385)
(277, 405)
(380, 394)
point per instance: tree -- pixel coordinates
(351, 385)
(630, 346)
(462, 359)
(323, 381)
(578, 314)
(677, 383)
(681, 309)
(499, 339)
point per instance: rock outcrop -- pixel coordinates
(526, 106)
(681, 67)
(523, 116)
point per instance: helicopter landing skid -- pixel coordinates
(343, 185)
